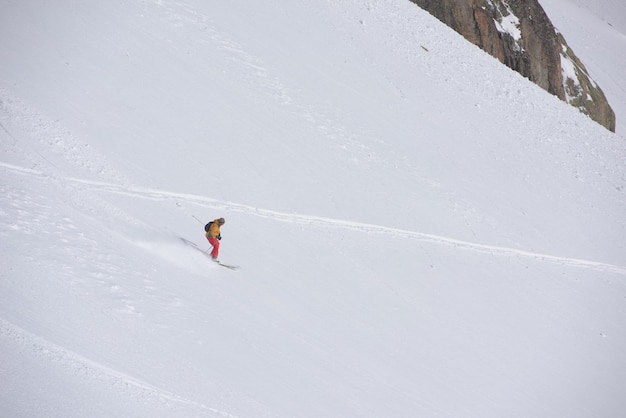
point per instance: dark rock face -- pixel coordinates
(521, 36)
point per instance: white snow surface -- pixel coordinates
(420, 231)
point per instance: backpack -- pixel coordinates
(207, 226)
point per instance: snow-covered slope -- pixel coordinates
(421, 231)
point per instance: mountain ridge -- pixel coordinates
(522, 37)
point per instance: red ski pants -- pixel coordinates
(216, 247)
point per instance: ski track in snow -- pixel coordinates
(92, 371)
(155, 194)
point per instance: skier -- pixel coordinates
(214, 237)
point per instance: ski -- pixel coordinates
(190, 243)
(228, 266)
(194, 246)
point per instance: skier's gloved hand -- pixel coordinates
(219, 237)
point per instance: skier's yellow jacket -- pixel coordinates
(214, 229)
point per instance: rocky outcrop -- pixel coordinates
(521, 36)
